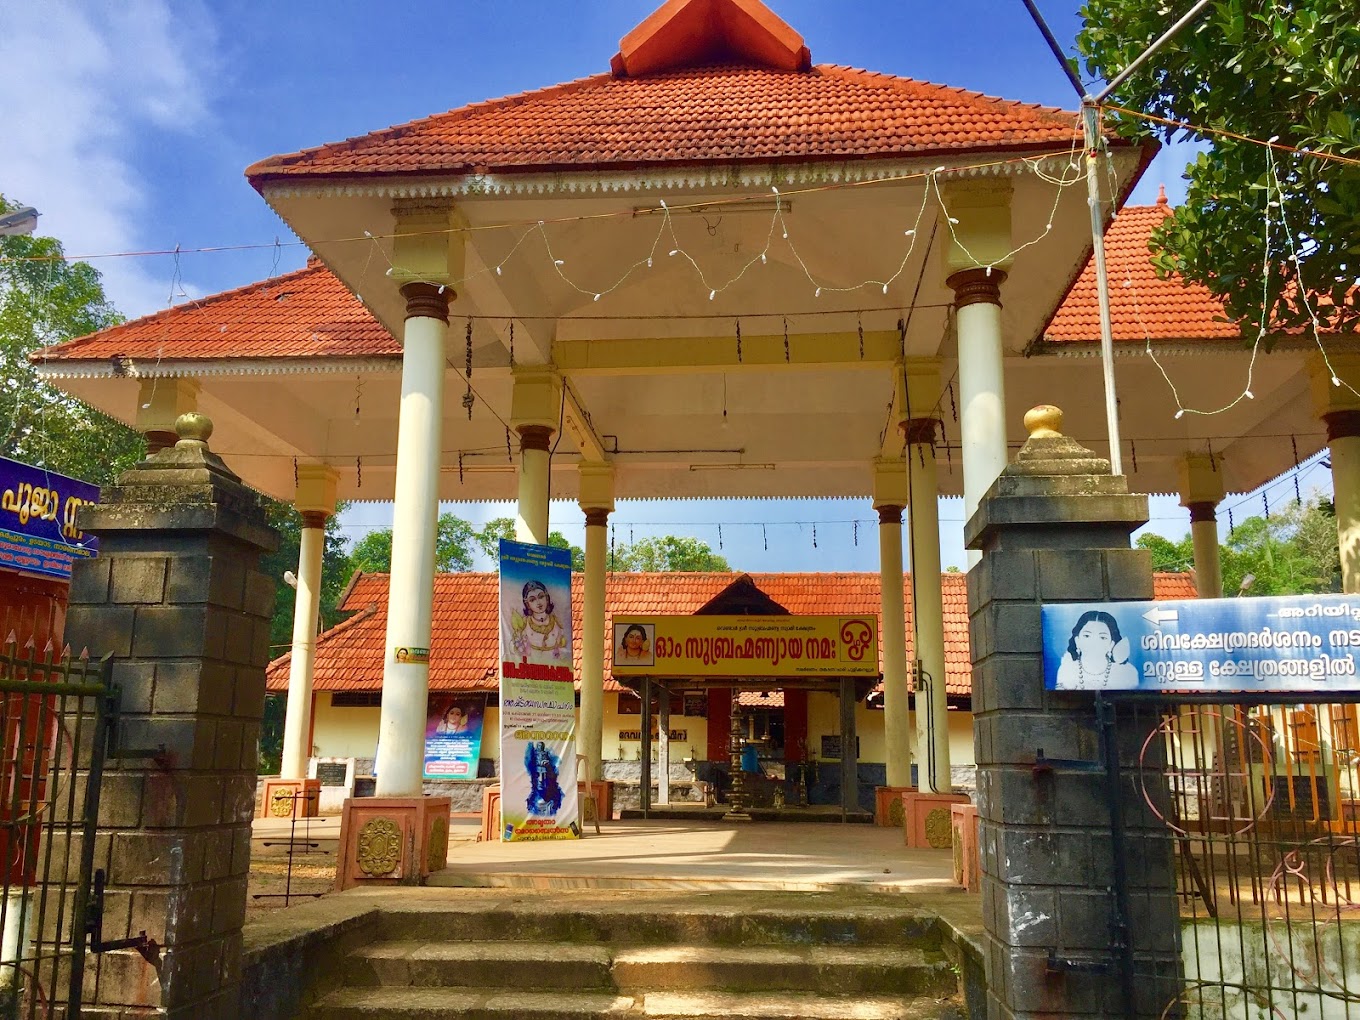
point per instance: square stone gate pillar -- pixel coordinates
(1055, 527)
(176, 597)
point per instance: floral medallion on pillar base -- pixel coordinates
(392, 840)
(290, 798)
(888, 810)
(926, 819)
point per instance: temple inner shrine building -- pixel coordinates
(715, 269)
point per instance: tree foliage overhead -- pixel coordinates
(45, 300)
(668, 553)
(489, 538)
(1294, 552)
(1266, 70)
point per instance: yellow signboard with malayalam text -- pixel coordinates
(745, 646)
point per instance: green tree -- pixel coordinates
(1168, 556)
(1265, 70)
(1292, 553)
(668, 553)
(453, 548)
(45, 300)
(489, 538)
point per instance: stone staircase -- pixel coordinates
(561, 954)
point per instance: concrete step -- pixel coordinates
(830, 970)
(481, 1004)
(767, 1006)
(696, 919)
(533, 965)
(450, 1003)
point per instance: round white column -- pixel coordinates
(982, 389)
(896, 710)
(1204, 538)
(531, 516)
(1343, 438)
(591, 733)
(401, 729)
(297, 724)
(932, 706)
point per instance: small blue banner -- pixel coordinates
(38, 533)
(453, 736)
(1292, 643)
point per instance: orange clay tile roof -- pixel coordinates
(700, 114)
(303, 314)
(1142, 305)
(465, 641)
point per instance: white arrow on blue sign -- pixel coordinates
(1296, 643)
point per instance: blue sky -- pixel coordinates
(128, 126)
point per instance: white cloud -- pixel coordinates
(80, 84)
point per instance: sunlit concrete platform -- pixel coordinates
(704, 813)
(673, 855)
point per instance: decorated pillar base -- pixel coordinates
(888, 810)
(290, 798)
(926, 819)
(392, 840)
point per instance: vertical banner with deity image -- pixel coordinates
(538, 695)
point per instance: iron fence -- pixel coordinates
(1257, 801)
(55, 719)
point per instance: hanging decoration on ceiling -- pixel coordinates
(468, 399)
(512, 343)
(738, 341)
(1294, 446)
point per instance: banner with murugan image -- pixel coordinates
(538, 695)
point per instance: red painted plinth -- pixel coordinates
(290, 798)
(888, 810)
(392, 840)
(491, 815)
(967, 865)
(926, 819)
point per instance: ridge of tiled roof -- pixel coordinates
(465, 638)
(301, 314)
(723, 112)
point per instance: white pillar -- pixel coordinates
(406, 667)
(297, 723)
(890, 497)
(531, 512)
(159, 403)
(597, 500)
(536, 408)
(1201, 482)
(1343, 437)
(932, 705)
(1339, 408)
(982, 390)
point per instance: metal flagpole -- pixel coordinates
(1090, 120)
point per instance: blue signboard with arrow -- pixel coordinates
(1294, 643)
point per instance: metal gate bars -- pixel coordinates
(1257, 800)
(56, 718)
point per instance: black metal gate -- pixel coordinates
(56, 719)
(1257, 801)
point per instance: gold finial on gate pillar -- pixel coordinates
(1044, 422)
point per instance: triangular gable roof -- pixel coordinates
(689, 33)
(465, 637)
(741, 598)
(1143, 306)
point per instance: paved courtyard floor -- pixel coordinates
(656, 854)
